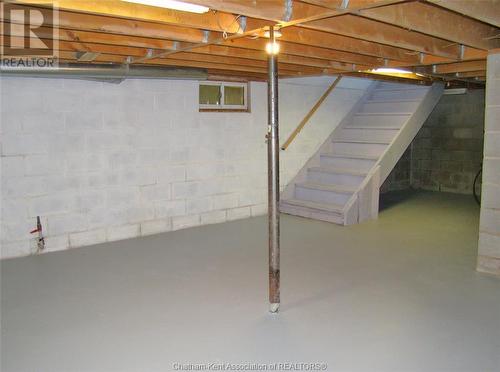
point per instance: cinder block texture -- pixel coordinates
(447, 152)
(102, 162)
(489, 227)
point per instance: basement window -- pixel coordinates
(223, 96)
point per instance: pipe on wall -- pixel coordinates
(107, 72)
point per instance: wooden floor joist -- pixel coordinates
(436, 37)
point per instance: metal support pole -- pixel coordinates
(273, 178)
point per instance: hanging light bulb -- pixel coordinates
(272, 47)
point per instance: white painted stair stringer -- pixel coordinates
(341, 182)
(363, 204)
(314, 160)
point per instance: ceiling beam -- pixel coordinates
(299, 11)
(283, 58)
(307, 51)
(383, 33)
(352, 4)
(347, 44)
(480, 74)
(451, 68)
(435, 21)
(76, 27)
(138, 47)
(103, 24)
(235, 61)
(84, 37)
(487, 11)
(210, 55)
(349, 31)
(120, 9)
(276, 10)
(245, 48)
(308, 38)
(70, 57)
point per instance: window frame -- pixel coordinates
(223, 106)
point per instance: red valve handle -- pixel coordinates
(35, 231)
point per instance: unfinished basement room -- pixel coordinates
(250, 185)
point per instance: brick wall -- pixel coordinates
(101, 162)
(447, 151)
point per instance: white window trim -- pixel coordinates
(222, 106)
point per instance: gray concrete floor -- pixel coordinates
(396, 294)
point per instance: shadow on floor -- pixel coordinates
(392, 198)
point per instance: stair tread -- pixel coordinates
(385, 113)
(353, 172)
(371, 127)
(393, 100)
(330, 207)
(349, 156)
(382, 113)
(392, 89)
(328, 187)
(377, 127)
(376, 142)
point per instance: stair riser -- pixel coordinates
(391, 85)
(363, 165)
(320, 196)
(367, 134)
(310, 213)
(381, 95)
(389, 107)
(389, 121)
(333, 178)
(369, 149)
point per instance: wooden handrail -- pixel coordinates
(304, 121)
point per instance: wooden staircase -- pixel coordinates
(341, 182)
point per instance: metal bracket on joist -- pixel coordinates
(175, 45)
(206, 35)
(287, 16)
(462, 51)
(242, 21)
(345, 4)
(421, 57)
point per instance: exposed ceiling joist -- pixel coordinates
(245, 48)
(450, 68)
(103, 58)
(318, 36)
(120, 9)
(105, 24)
(487, 11)
(347, 44)
(435, 21)
(382, 33)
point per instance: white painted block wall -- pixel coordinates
(103, 162)
(489, 227)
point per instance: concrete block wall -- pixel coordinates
(489, 226)
(447, 152)
(399, 178)
(102, 162)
